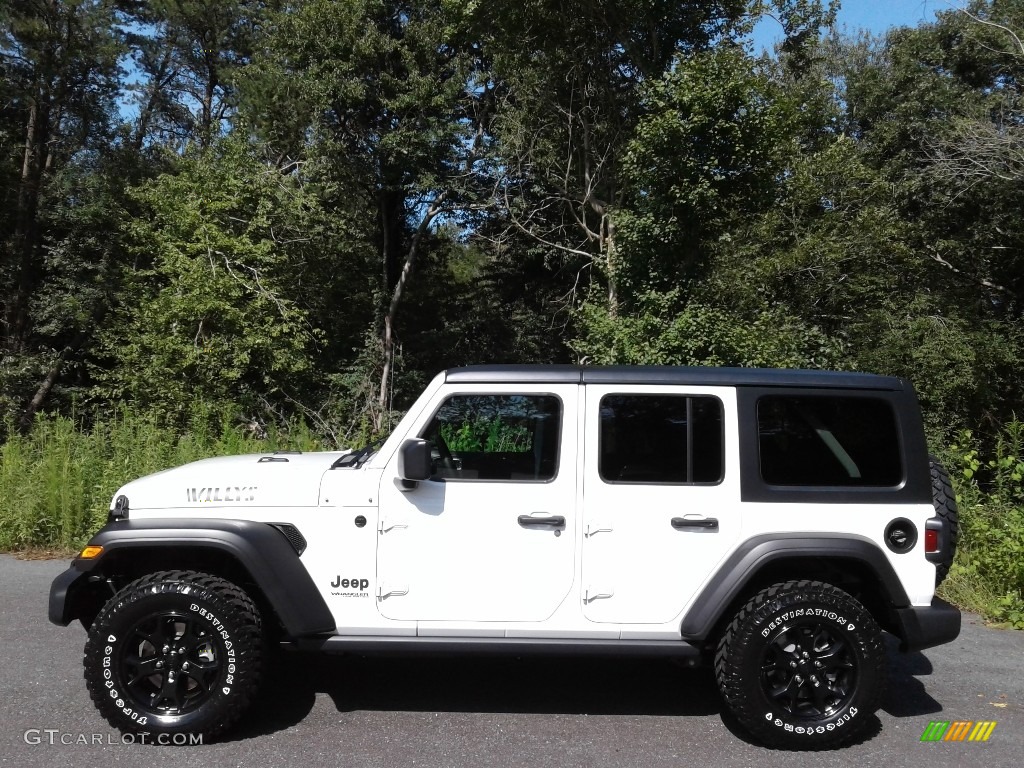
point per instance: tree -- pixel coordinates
(567, 78)
(714, 140)
(907, 271)
(185, 55)
(381, 93)
(219, 304)
(60, 63)
(979, 157)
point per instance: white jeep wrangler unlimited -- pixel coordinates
(771, 522)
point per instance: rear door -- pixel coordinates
(660, 498)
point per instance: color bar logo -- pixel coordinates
(959, 730)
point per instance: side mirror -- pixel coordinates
(414, 461)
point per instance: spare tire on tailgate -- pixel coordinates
(944, 501)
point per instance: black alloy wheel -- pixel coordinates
(809, 671)
(171, 663)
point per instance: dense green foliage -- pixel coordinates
(988, 575)
(280, 211)
(206, 312)
(56, 483)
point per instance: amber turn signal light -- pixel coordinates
(90, 552)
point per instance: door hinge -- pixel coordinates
(384, 525)
(384, 591)
(590, 594)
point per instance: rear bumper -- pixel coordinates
(925, 627)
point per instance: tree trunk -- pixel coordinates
(388, 335)
(158, 81)
(24, 234)
(210, 91)
(28, 415)
(392, 210)
(612, 266)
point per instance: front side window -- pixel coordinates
(661, 439)
(828, 441)
(496, 437)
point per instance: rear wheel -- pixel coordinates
(175, 652)
(802, 666)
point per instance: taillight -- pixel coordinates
(936, 540)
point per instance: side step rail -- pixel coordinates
(500, 646)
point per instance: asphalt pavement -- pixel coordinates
(452, 713)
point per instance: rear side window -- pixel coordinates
(828, 441)
(660, 439)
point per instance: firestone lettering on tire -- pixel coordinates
(136, 717)
(779, 723)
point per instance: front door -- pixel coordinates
(490, 536)
(660, 498)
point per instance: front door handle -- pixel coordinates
(704, 523)
(542, 521)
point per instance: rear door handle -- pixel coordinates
(705, 523)
(542, 521)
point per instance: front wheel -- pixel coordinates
(175, 652)
(802, 666)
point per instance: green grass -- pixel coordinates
(57, 481)
(987, 576)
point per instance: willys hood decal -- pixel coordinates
(259, 480)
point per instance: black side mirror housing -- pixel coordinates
(414, 461)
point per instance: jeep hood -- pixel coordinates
(252, 480)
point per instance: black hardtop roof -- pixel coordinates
(669, 374)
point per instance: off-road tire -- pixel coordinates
(175, 652)
(787, 636)
(944, 501)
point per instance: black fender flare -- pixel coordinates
(260, 548)
(743, 565)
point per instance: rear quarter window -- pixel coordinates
(825, 441)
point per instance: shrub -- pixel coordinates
(988, 574)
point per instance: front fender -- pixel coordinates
(259, 548)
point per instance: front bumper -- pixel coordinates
(925, 627)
